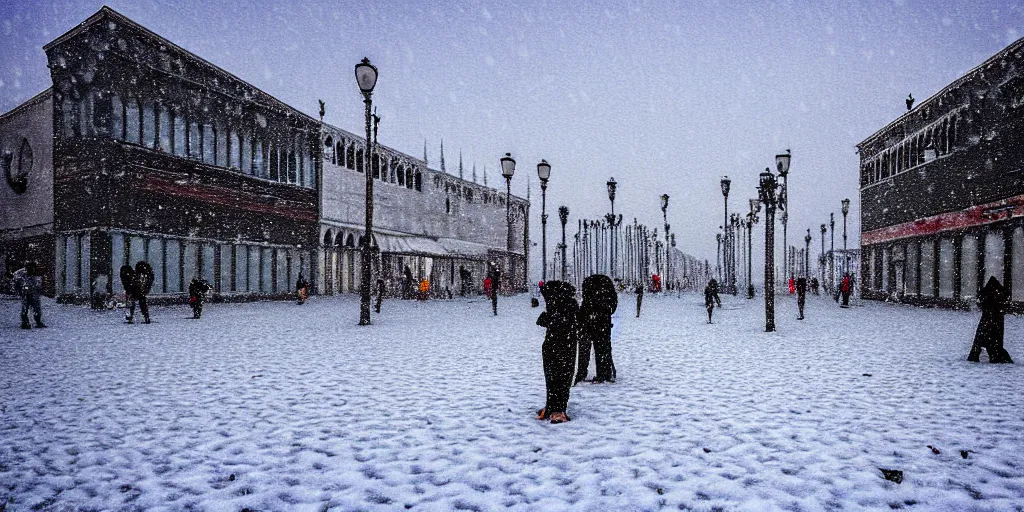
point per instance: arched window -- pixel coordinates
(292, 170)
(448, 205)
(275, 173)
(401, 176)
(149, 125)
(359, 161)
(258, 165)
(339, 151)
(222, 145)
(329, 155)
(116, 117)
(131, 121)
(350, 157)
(180, 138)
(419, 181)
(234, 150)
(194, 145)
(246, 157)
(18, 171)
(164, 127)
(209, 135)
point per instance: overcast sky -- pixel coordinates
(665, 96)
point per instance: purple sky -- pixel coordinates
(664, 97)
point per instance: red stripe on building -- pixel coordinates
(974, 216)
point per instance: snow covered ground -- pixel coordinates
(273, 406)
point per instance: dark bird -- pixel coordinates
(963, 453)
(934, 450)
(892, 475)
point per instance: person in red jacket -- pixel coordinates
(845, 289)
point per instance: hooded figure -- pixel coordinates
(711, 297)
(559, 348)
(992, 299)
(801, 295)
(197, 291)
(137, 283)
(29, 283)
(599, 303)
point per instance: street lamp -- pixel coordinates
(768, 194)
(366, 78)
(846, 256)
(544, 172)
(613, 224)
(718, 256)
(563, 216)
(508, 168)
(823, 229)
(668, 259)
(755, 208)
(807, 252)
(725, 255)
(832, 252)
(782, 166)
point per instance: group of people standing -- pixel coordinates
(572, 330)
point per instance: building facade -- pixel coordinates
(141, 150)
(942, 191)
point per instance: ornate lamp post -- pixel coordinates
(782, 166)
(668, 258)
(366, 77)
(822, 259)
(768, 194)
(612, 224)
(563, 216)
(718, 255)
(755, 207)
(807, 252)
(832, 252)
(725, 255)
(508, 168)
(544, 172)
(846, 256)
(733, 242)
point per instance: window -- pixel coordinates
(968, 267)
(339, 151)
(180, 137)
(401, 176)
(359, 161)
(234, 150)
(329, 155)
(194, 144)
(350, 157)
(164, 115)
(258, 168)
(275, 173)
(208, 148)
(293, 171)
(419, 181)
(116, 117)
(131, 121)
(246, 156)
(17, 172)
(149, 125)
(85, 116)
(101, 115)
(221, 143)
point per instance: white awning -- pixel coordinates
(464, 249)
(413, 245)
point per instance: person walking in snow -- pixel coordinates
(495, 278)
(992, 299)
(197, 291)
(28, 281)
(801, 295)
(595, 328)
(639, 297)
(845, 289)
(302, 287)
(711, 297)
(137, 284)
(559, 349)
(380, 294)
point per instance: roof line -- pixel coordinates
(952, 85)
(31, 101)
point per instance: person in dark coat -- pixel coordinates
(595, 325)
(560, 347)
(28, 281)
(801, 295)
(137, 284)
(407, 284)
(992, 299)
(495, 276)
(197, 291)
(711, 297)
(845, 289)
(302, 287)
(639, 297)
(380, 294)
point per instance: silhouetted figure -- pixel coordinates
(711, 297)
(992, 299)
(639, 297)
(801, 295)
(495, 277)
(302, 287)
(845, 289)
(380, 294)
(407, 283)
(197, 292)
(595, 325)
(28, 281)
(559, 348)
(137, 284)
